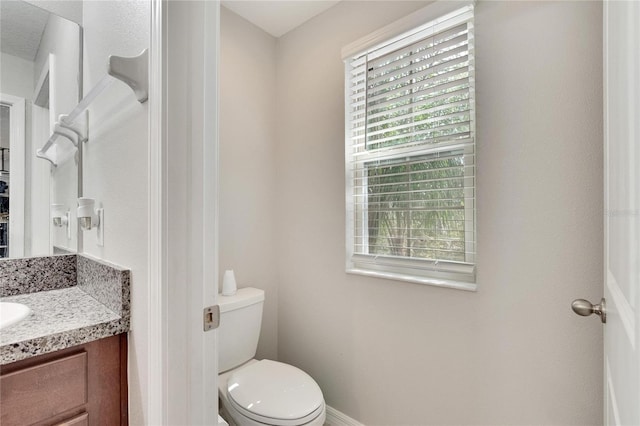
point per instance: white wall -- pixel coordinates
(115, 168)
(61, 38)
(39, 226)
(394, 353)
(16, 76)
(248, 164)
(16, 79)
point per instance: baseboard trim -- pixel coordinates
(337, 418)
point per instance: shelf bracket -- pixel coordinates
(44, 156)
(79, 128)
(61, 130)
(133, 71)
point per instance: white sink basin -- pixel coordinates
(11, 313)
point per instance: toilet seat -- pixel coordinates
(274, 393)
(275, 421)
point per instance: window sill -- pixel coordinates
(457, 285)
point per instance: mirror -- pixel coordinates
(40, 78)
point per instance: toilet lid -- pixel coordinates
(275, 393)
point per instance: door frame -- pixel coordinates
(17, 119)
(622, 292)
(156, 297)
(183, 212)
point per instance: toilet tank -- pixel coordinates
(239, 331)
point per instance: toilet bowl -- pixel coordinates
(265, 392)
(270, 393)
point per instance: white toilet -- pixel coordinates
(258, 393)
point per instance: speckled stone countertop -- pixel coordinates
(94, 305)
(59, 319)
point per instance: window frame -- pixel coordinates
(458, 275)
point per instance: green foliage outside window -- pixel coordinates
(415, 208)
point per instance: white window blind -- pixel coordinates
(410, 152)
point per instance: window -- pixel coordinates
(410, 149)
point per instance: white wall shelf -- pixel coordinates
(132, 71)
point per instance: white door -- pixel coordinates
(622, 212)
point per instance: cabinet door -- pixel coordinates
(59, 388)
(41, 392)
(80, 420)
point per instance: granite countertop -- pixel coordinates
(58, 319)
(95, 305)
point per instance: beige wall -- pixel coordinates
(396, 353)
(248, 165)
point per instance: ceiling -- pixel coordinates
(22, 24)
(67, 9)
(21, 27)
(278, 17)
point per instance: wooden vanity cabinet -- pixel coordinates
(79, 386)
